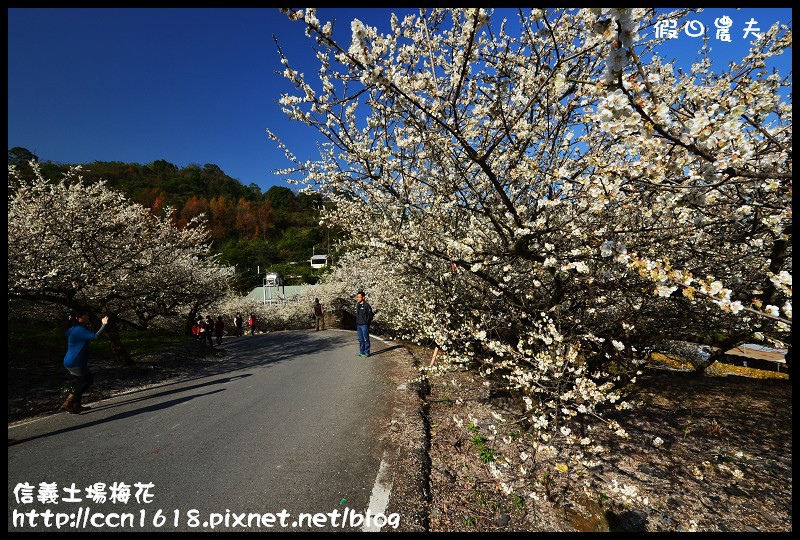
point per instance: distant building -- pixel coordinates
(272, 288)
(273, 279)
(318, 261)
(277, 295)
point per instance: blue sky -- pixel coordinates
(195, 85)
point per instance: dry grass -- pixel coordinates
(721, 369)
(724, 464)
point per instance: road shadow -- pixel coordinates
(141, 410)
(387, 349)
(244, 352)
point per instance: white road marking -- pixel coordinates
(379, 499)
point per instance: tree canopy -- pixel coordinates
(554, 192)
(73, 244)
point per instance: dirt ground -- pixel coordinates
(725, 463)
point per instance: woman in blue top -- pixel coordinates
(77, 358)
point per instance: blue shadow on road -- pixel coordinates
(146, 409)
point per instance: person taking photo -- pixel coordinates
(76, 360)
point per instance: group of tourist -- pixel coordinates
(206, 330)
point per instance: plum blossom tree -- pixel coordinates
(74, 244)
(557, 191)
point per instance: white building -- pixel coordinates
(318, 261)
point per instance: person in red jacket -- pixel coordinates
(252, 323)
(202, 330)
(219, 328)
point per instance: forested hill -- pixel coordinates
(250, 229)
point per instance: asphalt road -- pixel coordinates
(289, 425)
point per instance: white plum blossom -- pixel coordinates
(783, 278)
(715, 288)
(607, 249)
(581, 267)
(73, 241)
(657, 442)
(666, 290)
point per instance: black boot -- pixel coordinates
(77, 408)
(68, 403)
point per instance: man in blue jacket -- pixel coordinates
(364, 316)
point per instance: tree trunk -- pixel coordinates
(701, 366)
(118, 349)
